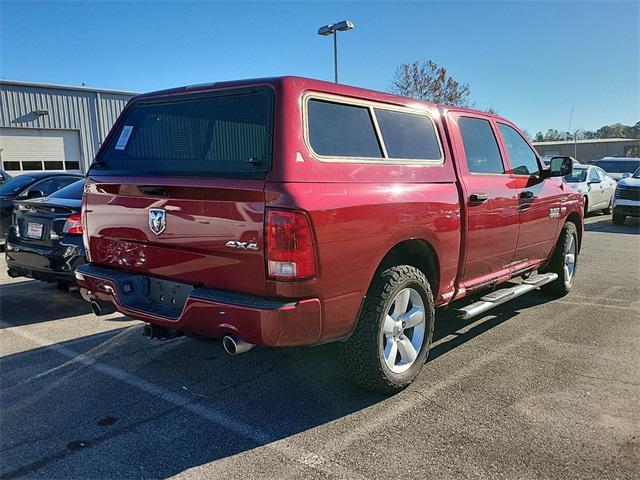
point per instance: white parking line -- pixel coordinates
(257, 436)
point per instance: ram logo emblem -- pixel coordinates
(157, 220)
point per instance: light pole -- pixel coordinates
(342, 26)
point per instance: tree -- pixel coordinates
(617, 130)
(428, 81)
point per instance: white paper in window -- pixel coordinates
(124, 137)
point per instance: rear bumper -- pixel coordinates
(209, 312)
(49, 264)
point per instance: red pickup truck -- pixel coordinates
(291, 211)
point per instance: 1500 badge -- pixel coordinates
(555, 212)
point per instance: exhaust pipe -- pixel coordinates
(100, 308)
(234, 345)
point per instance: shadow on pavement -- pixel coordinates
(606, 225)
(451, 332)
(130, 405)
(36, 302)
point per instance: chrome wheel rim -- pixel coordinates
(403, 330)
(570, 261)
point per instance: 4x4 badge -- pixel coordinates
(242, 245)
(157, 220)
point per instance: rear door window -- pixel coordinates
(408, 135)
(480, 146)
(523, 158)
(74, 191)
(221, 134)
(338, 130)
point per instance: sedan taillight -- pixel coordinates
(73, 225)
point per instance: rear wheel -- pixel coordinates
(609, 209)
(564, 261)
(390, 343)
(618, 219)
(586, 206)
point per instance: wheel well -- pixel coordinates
(417, 253)
(575, 219)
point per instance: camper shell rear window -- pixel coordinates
(221, 134)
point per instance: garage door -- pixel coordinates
(28, 149)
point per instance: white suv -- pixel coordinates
(626, 201)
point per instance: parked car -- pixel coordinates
(291, 211)
(595, 185)
(547, 161)
(45, 240)
(27, 186)
(626, 202)
(618, 167)
(4, 176)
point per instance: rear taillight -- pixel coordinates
(290, 247)
(73, 225)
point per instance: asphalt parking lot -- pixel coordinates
(535, 389)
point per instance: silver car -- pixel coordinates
(596, 186)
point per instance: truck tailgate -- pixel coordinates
(212, 234)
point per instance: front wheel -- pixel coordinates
(390, 343)
(619, 219)
(564, 261)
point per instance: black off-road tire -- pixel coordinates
(362, 352)
(560, 287)
(618, 219)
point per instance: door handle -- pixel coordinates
(526, 194)
(478, 198)
(153, 190)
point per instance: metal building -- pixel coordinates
(54, 127)
(588, 151)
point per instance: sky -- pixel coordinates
(530, 61)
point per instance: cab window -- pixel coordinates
(523, 158)
(480, 146)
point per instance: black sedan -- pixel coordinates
(27, 186)
(45, 240)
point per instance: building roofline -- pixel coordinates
(592, 140)
(55, 86)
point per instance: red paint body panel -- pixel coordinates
(358, 212)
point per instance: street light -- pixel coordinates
(342, 26)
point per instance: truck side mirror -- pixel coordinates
(559, 167)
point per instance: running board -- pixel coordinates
(503, 295)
